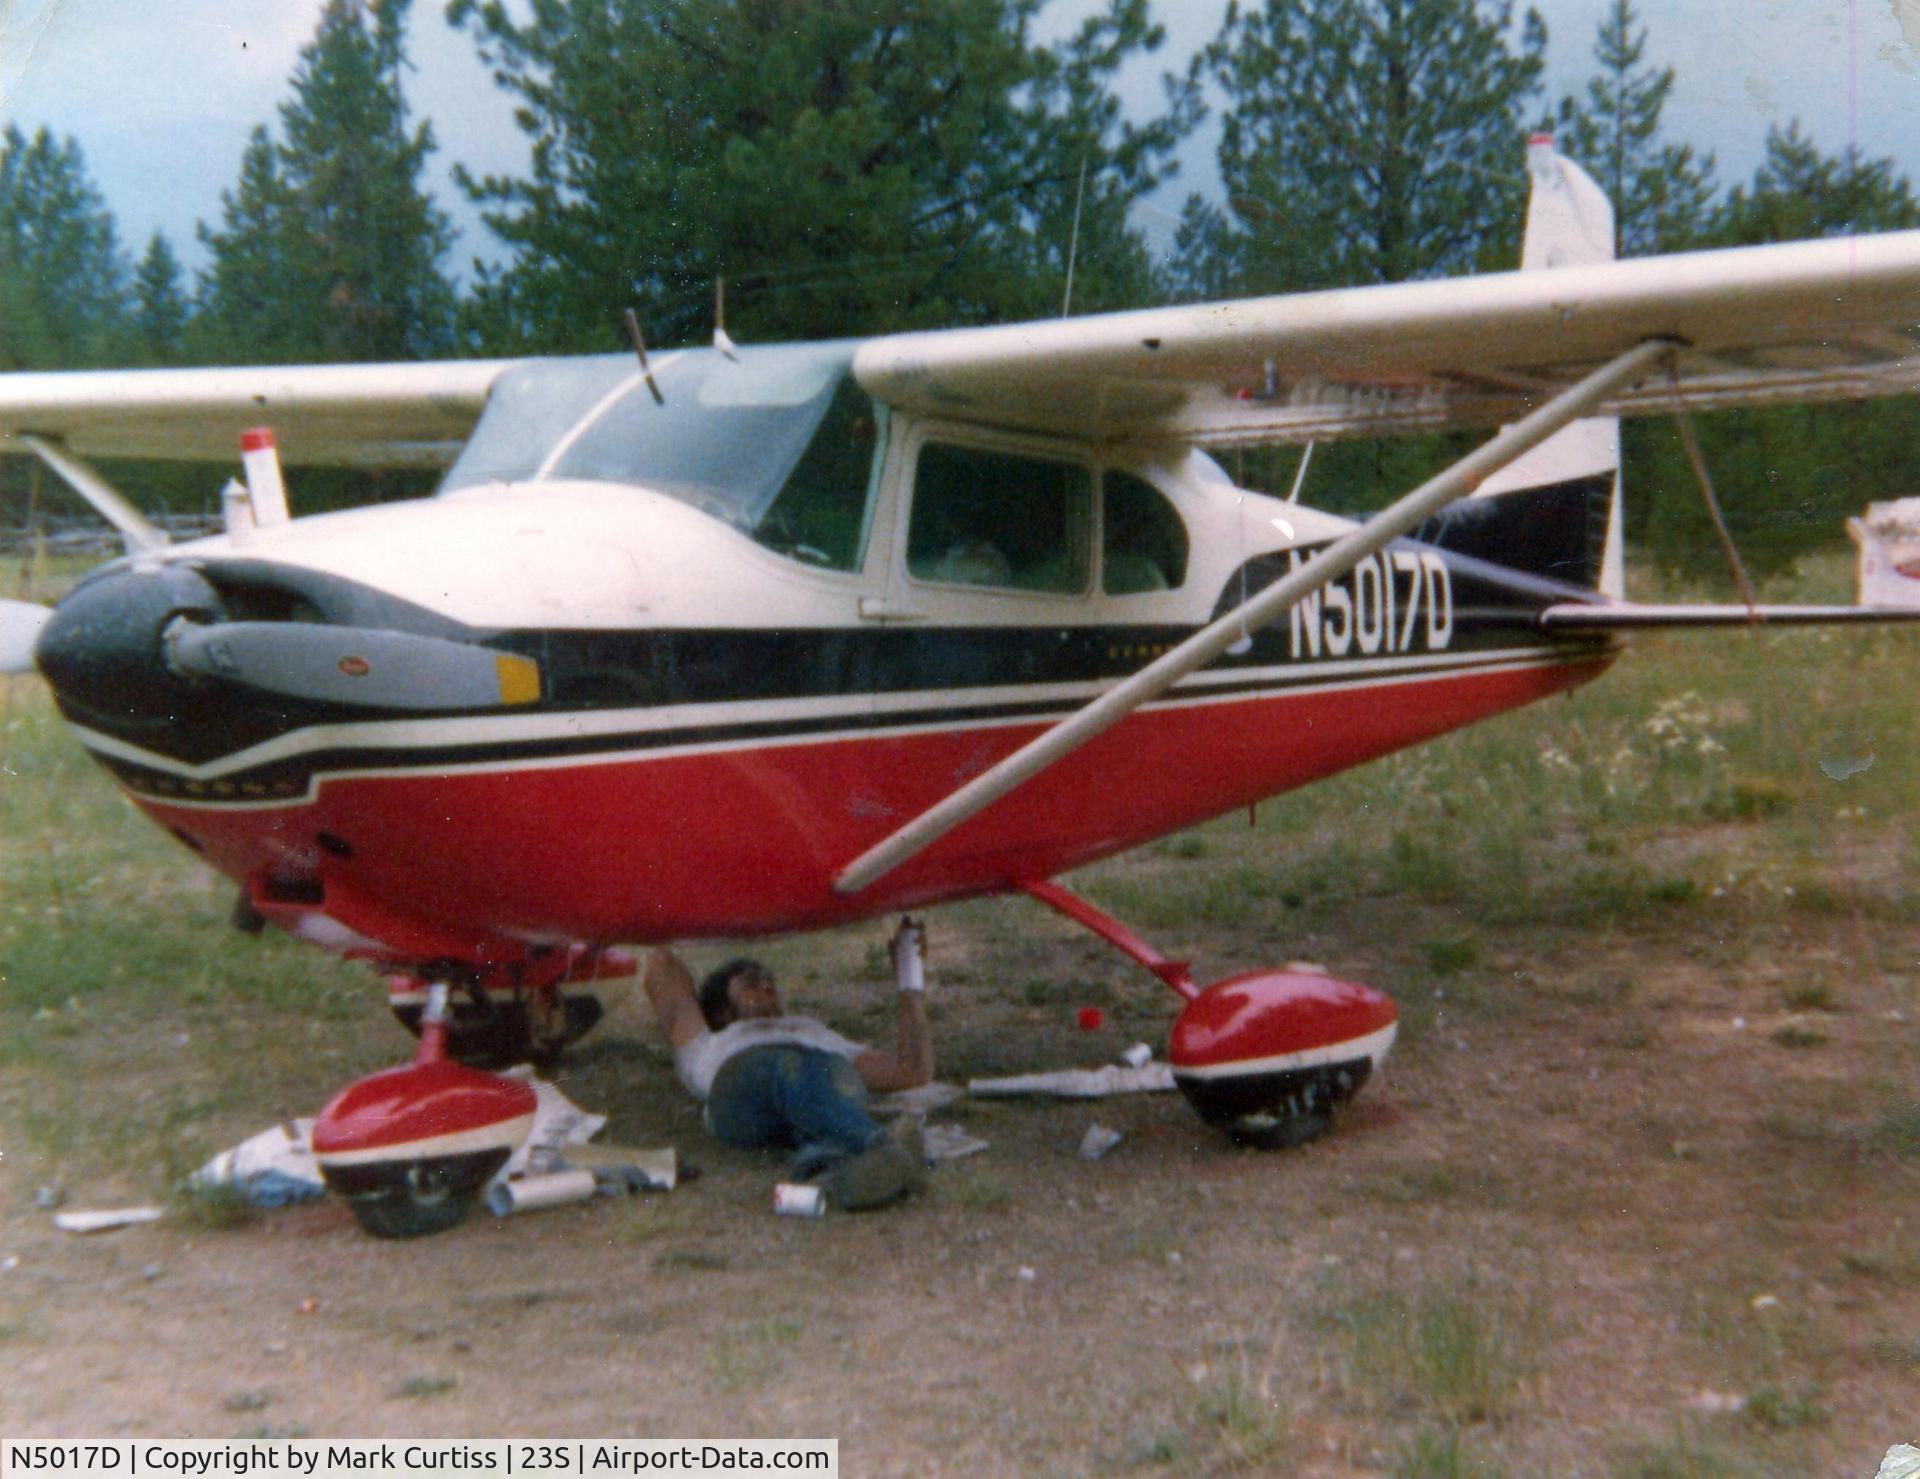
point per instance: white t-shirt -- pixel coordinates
(700, 1059)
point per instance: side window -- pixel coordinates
(821, 514)
(1143, 543)
(999, 519)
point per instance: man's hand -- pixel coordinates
(910, 1064)
(908, 949)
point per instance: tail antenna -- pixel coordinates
(632, 321)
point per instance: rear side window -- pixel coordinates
(1143, 542)
(999, 519)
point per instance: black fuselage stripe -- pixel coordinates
(291, 775)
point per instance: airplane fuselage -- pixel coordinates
(709, 727)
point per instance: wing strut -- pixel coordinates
(1207, 644)
(138, 534)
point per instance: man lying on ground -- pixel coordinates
(774, 1081)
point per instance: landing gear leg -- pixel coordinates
(1266, 1056)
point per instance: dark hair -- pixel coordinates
(716, 1000)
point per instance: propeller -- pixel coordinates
(364, 666)
(20, 624)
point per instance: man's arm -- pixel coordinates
(670, 989)
(910, 1064)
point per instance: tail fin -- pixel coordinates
(1560, 509)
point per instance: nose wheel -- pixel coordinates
(410, 1149)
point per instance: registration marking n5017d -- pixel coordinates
(1392, 601)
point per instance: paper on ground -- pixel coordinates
(657, 1170)
(923, 1100)
(87, 1222)
(1080, 1083)
(557, 1123)
(272, 1169)
(950, 1143)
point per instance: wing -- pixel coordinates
(392, 415)
(1793, 322)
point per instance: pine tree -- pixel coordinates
(62, 278)
(160, 309)
(1661, 193)
(1369, 140)
(878, 164)
(329, 248)
(1798, 193)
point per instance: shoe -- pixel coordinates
(882, 1174)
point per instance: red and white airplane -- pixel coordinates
(750, 640)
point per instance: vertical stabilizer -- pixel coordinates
(1570, 224)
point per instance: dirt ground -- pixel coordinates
(1613, 1208)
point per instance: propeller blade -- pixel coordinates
(20, 623)
(364, 666)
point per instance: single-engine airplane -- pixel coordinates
(736, 640)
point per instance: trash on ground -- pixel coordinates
(1902, 1462)
(923, 1100)
(272, 1169)
(627, 1168)
(950, 1143)
(548, 1189)
(1098, 1140)
(797, 1199)
(46, 1198)
(1137, 1056)
(558, 1124)
(102, 1221)
(1080, 1083)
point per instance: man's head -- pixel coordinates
(740, 989)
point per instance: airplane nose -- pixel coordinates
(102, 653)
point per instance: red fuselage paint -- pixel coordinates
(748, 840)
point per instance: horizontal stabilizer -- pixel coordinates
(1579, 616)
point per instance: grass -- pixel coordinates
(1456, 1352)
(751, 1354)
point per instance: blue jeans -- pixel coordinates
(785, 1096)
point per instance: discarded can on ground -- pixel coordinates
(795, 1199)
(531, 1193)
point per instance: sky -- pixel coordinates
(162, 94)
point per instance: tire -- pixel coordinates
(1280, 1131)
(414, 1211)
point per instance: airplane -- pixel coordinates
(745, 640)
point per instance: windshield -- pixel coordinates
(726, 439)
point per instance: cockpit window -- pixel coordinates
(779, 443)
